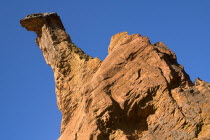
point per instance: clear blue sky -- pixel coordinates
(28, 108)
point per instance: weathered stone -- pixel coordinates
(138, 92)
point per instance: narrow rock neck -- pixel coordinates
(52, 39)
(55, 45)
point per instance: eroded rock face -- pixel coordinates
(138, 92)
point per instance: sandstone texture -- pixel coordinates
(139, 92)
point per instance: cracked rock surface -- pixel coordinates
(138, 92)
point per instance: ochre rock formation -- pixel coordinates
(138, 92)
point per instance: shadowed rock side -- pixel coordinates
(138, 92)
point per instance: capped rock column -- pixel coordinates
(72, 67)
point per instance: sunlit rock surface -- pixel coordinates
(138, 92)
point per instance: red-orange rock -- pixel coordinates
(138, 92)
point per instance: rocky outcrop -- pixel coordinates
(138, 92)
